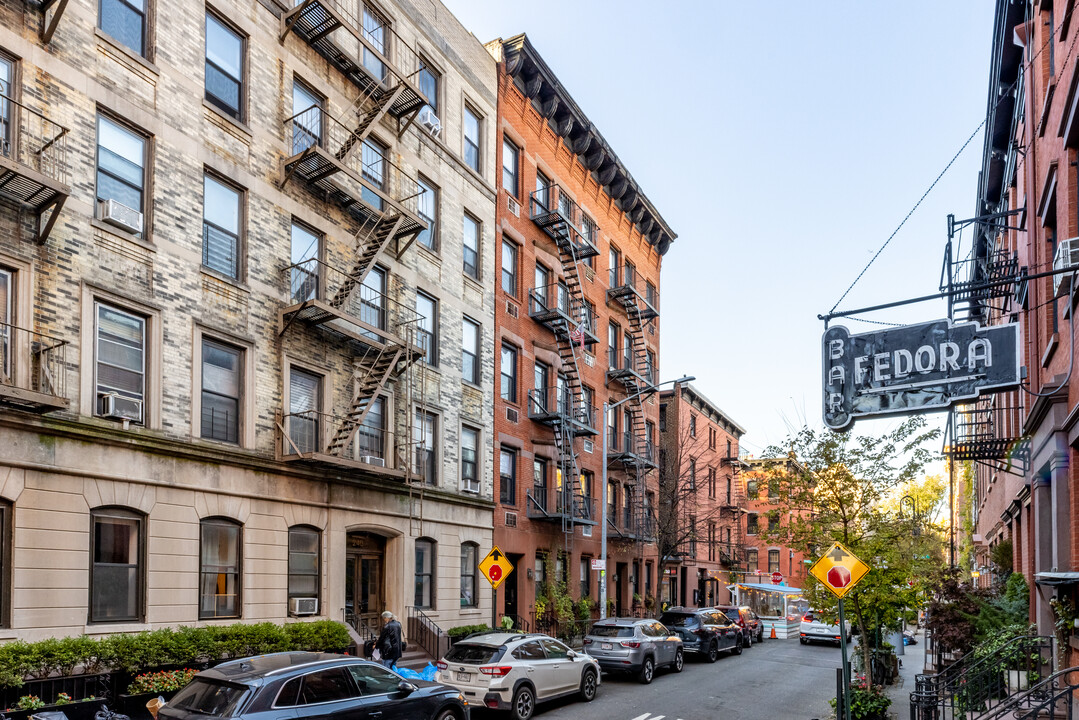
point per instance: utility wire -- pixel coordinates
(947, 167)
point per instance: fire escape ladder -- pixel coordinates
(368, 385)
(570, 497)
(379, 101)
(370, 241)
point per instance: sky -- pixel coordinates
(783, 142)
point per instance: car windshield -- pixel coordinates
(678, 620)
(611, 631)
(473, 654)
(210, 698)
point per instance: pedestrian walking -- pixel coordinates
(389, 640)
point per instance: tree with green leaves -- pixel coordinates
(843, 488)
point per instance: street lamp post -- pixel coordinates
(915, 531)
(607, 408)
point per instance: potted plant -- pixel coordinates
(149, 685)
(650, 603)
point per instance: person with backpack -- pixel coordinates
(389, 643)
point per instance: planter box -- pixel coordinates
(74, 710)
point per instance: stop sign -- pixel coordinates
(777, 578)
(838, 577)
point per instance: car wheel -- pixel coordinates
(760, 634)
(749, 641)
(713, 652)
(737, 649)
(524, 703)
(648, 671)
(448, 715)
(679, 661)
(803, 641)
(588, 686)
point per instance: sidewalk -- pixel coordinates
(913, 662)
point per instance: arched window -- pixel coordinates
(304, 561)
(220, 557)
(425, 573)
(469, 558)
(116, 565)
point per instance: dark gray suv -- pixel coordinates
(704, 631)
(631, 645)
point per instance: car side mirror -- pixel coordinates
(571, 654)
(406, 688)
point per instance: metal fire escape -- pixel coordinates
(732, 548)
(340, 161)
(634, 450)
(565, 408)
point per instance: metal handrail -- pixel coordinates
(34, 361)
(426, 633)
(555, 297)
(310, 431)
(30, 138)
(548, 401)
(582, 507)
(628, 276)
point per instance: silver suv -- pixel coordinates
(511, 671)
(634, 646)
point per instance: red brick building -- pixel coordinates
(577, 304)
(765, 556)
(702, 498)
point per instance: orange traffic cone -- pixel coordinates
(773, 635)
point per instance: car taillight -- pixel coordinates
(701, 633)
(630, 644)
(496, 671)
(588, 641)
(807, 618)
(441, 665)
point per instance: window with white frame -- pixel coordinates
(470, 474)
(116, 574)
(219, 572)
(469, 555)
(427, 206)
(471, 246)
(427, 326)
(221, 214)
(470, 351)
(121, 165)
(120, 360)
(472, 127)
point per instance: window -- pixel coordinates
(509, 373)
(612, 346)
(125, 21)
(614, 258)
(376, 680)
(304, 406)
(509, 268)
(510, 156)
(470, 351)
(586, 577)
(751, 524)
(371, 435)
(221, 381)
(711, 542)
(541, 380)
(712, 483)
(373, 158)
(729, 449)
(470, 442)
(693, 426)
(221, 205)
(471, 247)
(469, 552)
(693, 536)
(650, 293)
(627, 507)
(542, 279)
(116, 574)
(773, 488)
(712, 438)
(507, 476)
(120, 364)
(306, 118)
(374, 30)
(539, 483)
(220, 556)
(224, 67)
(304, 271)
(650, 367)
(7, 88)
(372, 300)
(773, 561)
(529, 650)
(542, 196)
(472, 139)
(121, 164)
(304, 545)
(693, 474)
(729, 493)
(425, 552)
(663, 418)
(427, 309)
(5, 562)
(429, 85)
(751, 560)
(540, 572)
(427, 207)
(426, 437)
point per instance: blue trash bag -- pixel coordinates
(406, 673)
(428, 673)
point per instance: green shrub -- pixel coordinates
(462, 631)
(320, 635)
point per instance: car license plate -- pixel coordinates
(463, 677)
(605, 646)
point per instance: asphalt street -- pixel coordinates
(777, 680)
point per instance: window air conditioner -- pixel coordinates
(511, 415)
(430, 121)
(118, 407)
(373, 460)
(121, 216)
(1067, 256)
(302, 606)
(586, 530)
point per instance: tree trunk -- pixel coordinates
(866, 665)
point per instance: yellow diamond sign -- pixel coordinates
(495, 567)
(838, 570)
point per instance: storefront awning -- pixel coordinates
(785, 589)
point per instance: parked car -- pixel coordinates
(704, 631)
(512, 671)
(813, 627)
(752, 627)
(287, 685)
(631, 645)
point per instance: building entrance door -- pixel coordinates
(364, 580)
(510, 586)
(619, 588)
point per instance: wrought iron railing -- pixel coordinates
(980, 683)
(368, 161)
(32, 361)
(627, 443)
(544, 403)
(626, 280)
(357, 623)
(311, 431)
(31, 139)
(548, 502)
(553, 302)
(426, 633)
(560, 216)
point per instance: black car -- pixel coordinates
(704, 631)
(320, 686)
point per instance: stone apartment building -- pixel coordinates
(246, 313)
(577, 304)
(701, 484)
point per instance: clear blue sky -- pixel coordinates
(783, 142)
